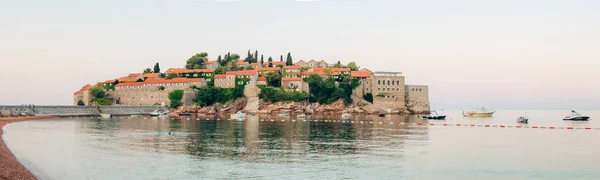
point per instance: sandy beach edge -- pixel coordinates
(10, 167)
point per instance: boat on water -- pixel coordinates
(479, 113)
(301, 116)
(158, 113)
(239, 115)
(435, 115)
(523, 119)
(185, 114)
(136, 116)
(105, 116)
(283, 115)
(346, 116)
(575, 116)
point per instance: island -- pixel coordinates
(230, 84)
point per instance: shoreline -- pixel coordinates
(10, 167)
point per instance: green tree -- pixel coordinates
(270, 61)
(80, 103)
(256, 56)
(197, 61)
(171, 76)
(98, 91)
(147, 70)
(273, 79)
(235, 57)
(249, 67)
(281, 58)
(156, 68)
(161, 88)
(262, 59)
(352, 66)
(249, 57)
(175, 98)
(220, 70)
(338, 65)
(368, 97)
(288, 61)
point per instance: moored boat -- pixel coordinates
(283, 115)
(575, 116)
(346, 116)
(479, 113)
(159, 113)
(435, 115)
(237, 116)
(301, 116)
(523, 119)
(105, 116)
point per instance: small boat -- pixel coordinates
(436, 116)
(136, 116)
(238, 115)
(523, 119)
(283, 115)
(575, 116)
(185, 114)
(346, 116)
(105, 116)
(157, 113)
(479, 113)
(381, 115)
(301, 116)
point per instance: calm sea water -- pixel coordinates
(144, 149)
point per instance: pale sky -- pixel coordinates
(505, 54)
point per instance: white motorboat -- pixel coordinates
(346, 116)
(238, 115)
(105, 116)
(435, 115)
(159, 113)
(301, 116)
(575, 116)
(283, 115)
(523, 119)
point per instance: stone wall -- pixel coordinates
(388, 91)
(417, 98)
(77, 110)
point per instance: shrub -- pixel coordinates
(275, 95)
(175, 98)
(161, 88)
(209, 95)
(80, 103)
(102, 101)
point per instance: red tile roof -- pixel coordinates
(162, 80)
(127, 79)
(241, 73)
(220, 76)
(183, 70)
(254, 64)
(241, 62)
(195, 79)
(84, 88)
(134, 75)
(321, 73)
(150, 75)
(292, 67)
(267, 69)
(361, 74)
(110, 81)
(262, 79)
(291, 79)
(333, 69)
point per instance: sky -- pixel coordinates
(505, 54)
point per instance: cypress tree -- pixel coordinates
(281, 58)
(256, 56)
(288, 61)
(156, 68)
(270, 61)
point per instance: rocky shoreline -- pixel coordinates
(10, 167)
(338, 107)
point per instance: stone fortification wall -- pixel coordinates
(77, 110)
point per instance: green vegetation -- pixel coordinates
(80, 103)
(278, 94)
(197, 61)
(98, 91)
(288, 61)
(380, 95)
(175, 98)
(102, 101)
(324, 91)
(156, 68)
(220, 70)
(171, 76)
(352, 65)
(161, 88)
(273, 79)
(368, 97)
(147, 70)
(209, 95)
(270, 61)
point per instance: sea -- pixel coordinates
(320, 147)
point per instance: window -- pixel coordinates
(393, 97)
(367, 89)
(397, 89)
(419, 89)
(388, 89)
(388, 82)
(398, 82)
(378, 82)
(240, 82)
(208, 80)
(195, 75)
(248, 82)
(291, 84)
(240, 77)
(208, 75)
(392, 82)
(379, 89)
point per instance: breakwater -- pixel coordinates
(7, 110)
